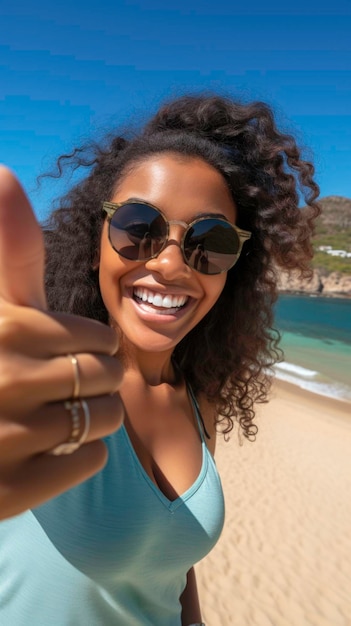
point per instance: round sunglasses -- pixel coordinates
(139, 231)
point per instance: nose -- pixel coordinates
(170, 263)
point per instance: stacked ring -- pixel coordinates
(74, 442)
(73, 407)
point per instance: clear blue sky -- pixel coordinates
(70, 70)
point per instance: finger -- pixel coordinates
(21, 246)
(98, 375)
(44, 476)
(40, 334)
(51, 425)
(26, 384)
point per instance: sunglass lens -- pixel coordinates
(137, 231)
(211, 246)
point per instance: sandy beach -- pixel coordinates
(284, 558)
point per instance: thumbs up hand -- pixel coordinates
(38, 374)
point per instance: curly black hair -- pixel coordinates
(228, 356)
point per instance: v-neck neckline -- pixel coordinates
(171, 505)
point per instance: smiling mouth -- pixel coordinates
(164, 304)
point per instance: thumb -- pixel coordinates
(21, 246)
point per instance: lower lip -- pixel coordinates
(163, 316)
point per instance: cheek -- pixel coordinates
(213, 287)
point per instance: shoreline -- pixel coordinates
(340, 408)
(315, 294)
(283, 557)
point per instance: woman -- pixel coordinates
(170, 246)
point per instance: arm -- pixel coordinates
(36, 377)
(189, 599)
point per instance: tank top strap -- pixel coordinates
(194, 402)
(199, 418)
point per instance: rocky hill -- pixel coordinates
(332, 245)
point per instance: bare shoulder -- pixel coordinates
(208, 413)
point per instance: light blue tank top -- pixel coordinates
(113, 551)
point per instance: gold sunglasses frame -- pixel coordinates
(110, 209)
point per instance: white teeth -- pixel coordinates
(157, 299)
(181, 300)
(167, 302)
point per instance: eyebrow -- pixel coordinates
(210, 214)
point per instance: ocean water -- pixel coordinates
(316, 339)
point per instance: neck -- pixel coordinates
(154, 368)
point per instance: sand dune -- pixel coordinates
(284, 558)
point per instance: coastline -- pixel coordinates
(283, 557)
(322, 283)
(315, 338)
(332, 408)
(315, 294)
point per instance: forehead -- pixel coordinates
(180, 186)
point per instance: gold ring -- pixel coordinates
(76, 383)
(74, 442)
